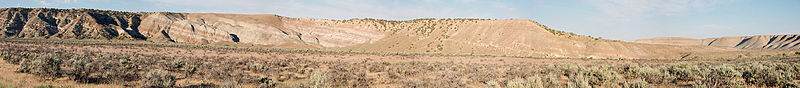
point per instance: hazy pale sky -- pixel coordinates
(611, 19)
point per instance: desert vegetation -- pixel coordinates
(50, 61)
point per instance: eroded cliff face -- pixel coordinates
(507, 37)
(267, 30)
(759, 42)
(69, 24)
(789, 42)
(447, 36)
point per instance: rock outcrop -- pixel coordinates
(744, 42)
(270, 30)
(447, 36)
(69, 24)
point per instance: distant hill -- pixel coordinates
(448, 36)
(743, 42)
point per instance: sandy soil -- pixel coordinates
(344, 56)
(11, 78)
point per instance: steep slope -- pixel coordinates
(68, 24)
(506, 37)
(672, 41)
(447, 36)
(269, 30)
(743, 42)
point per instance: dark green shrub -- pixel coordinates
(119, 68)
(651, 75)
(81, 67)
(46, 65)
(158, 78)
(603, 76)
(516, 83)
(791, 85)
(177, 64)
(570, 69)
(492, 84)
(593, 76)
(5, 55)
(535, 82)
(552, 81)
(318, 80)
(258, 68)
(189, 70)
(12, 58)
(754, 74)
(698, 84)
(796, 71)
(723, 76)
(768, 74)
(578, 81)
(636, 84)
(684, 72)
(230, 84)
(577, 76)
(265, 82)
(530, 82)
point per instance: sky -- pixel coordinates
(610, 19)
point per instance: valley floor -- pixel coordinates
(73, 63)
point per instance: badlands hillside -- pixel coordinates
(446, 36)
(785, 42)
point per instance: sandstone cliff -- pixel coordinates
(744, 42)
(448, 36)
(69, 24)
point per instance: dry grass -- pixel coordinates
(144, 70)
